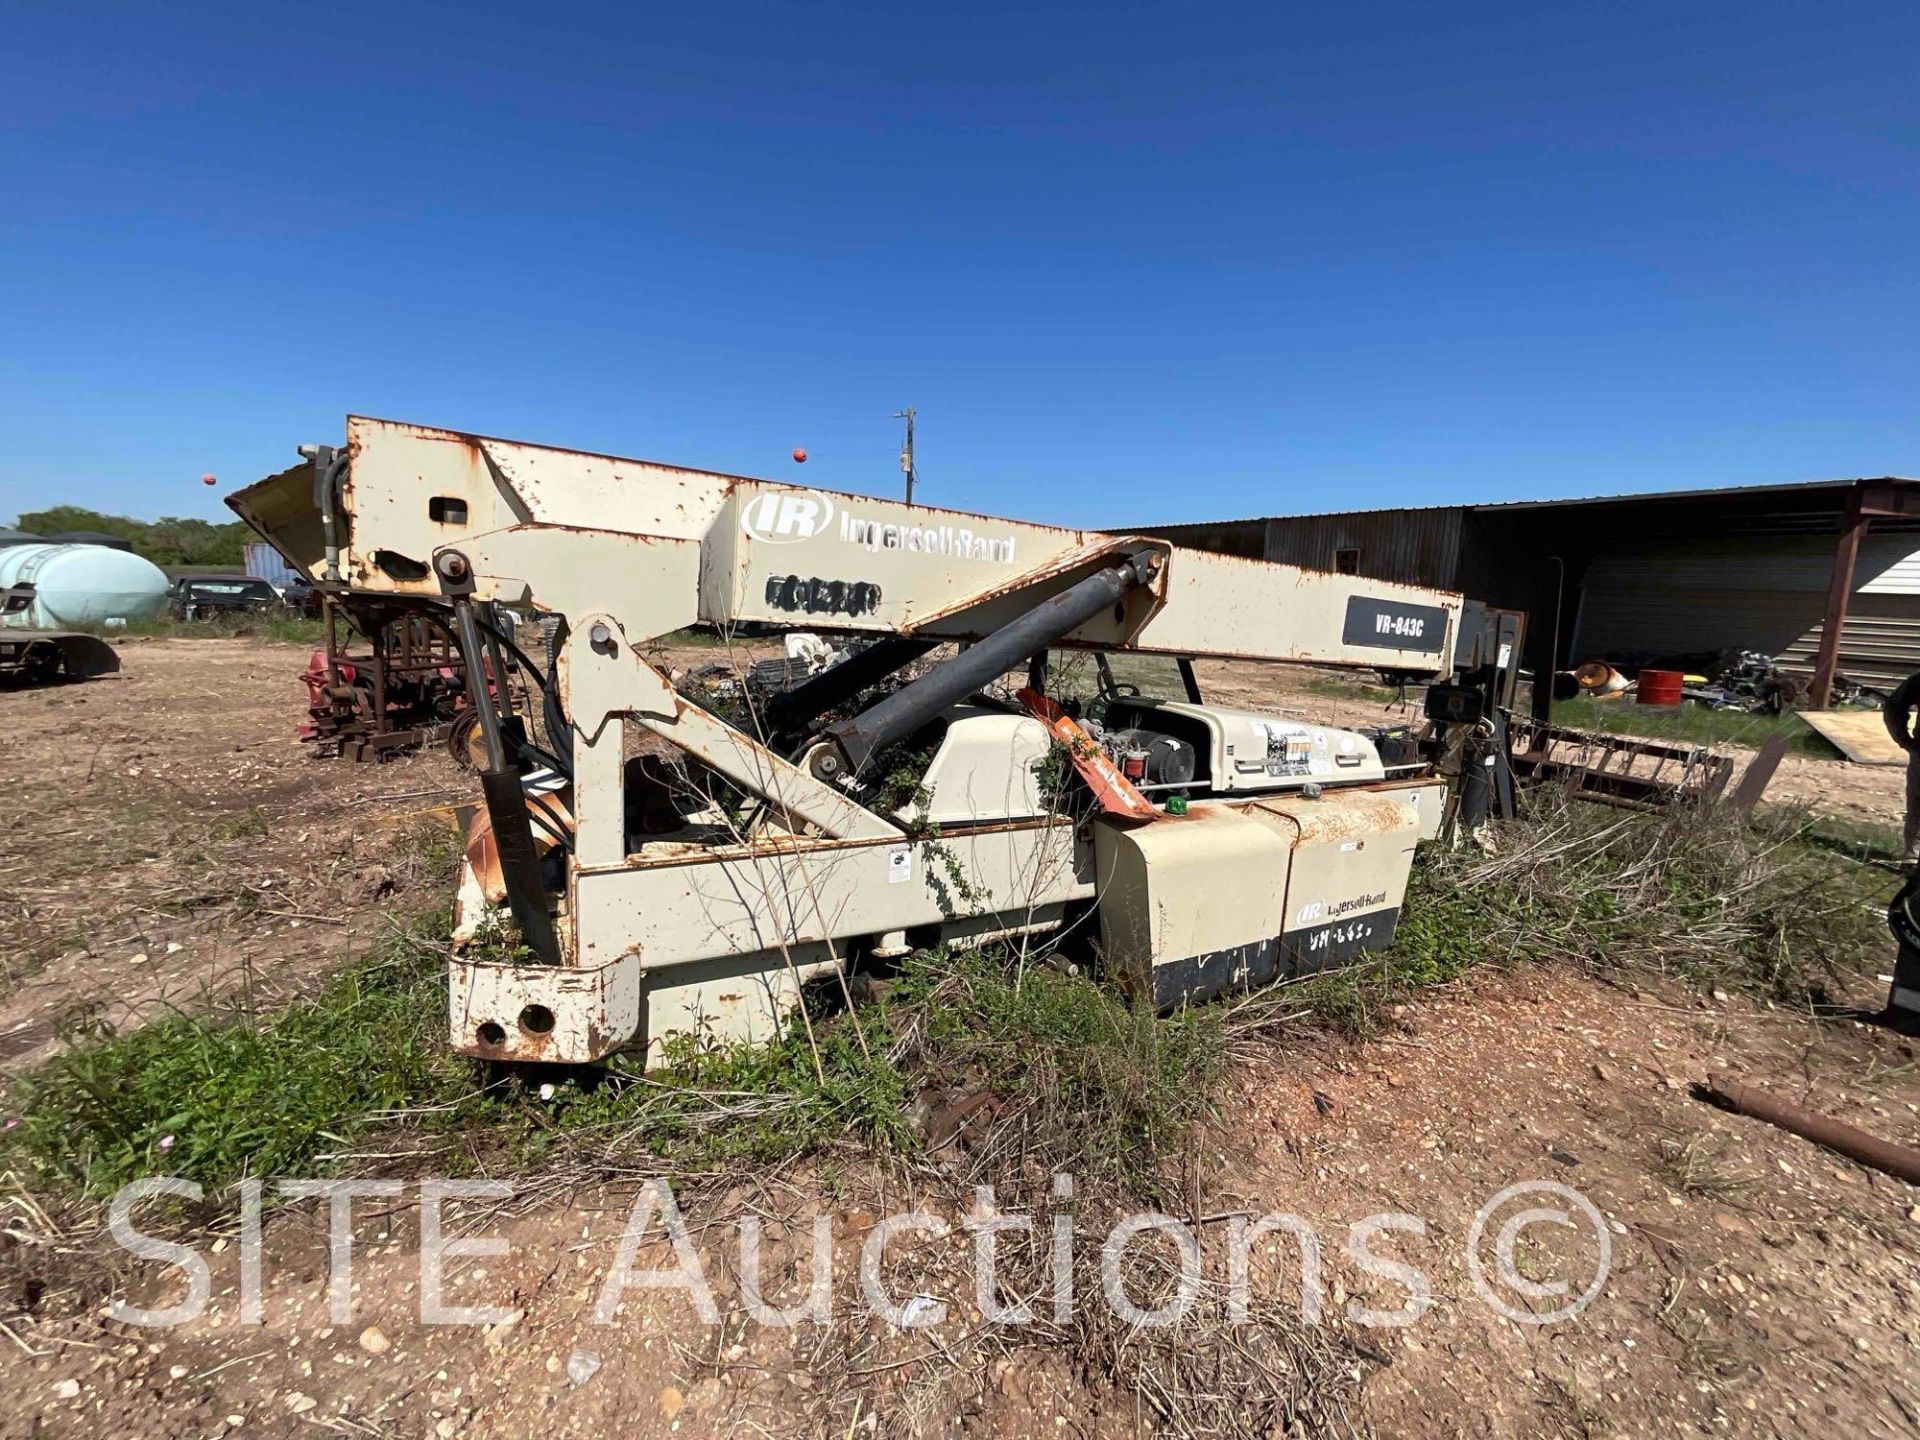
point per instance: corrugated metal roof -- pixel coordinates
(1791, 487)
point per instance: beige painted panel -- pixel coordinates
(738, 901)
(1202, 884)
(985, 766)
(910, 566)
(737, 999)
(552, 1013)
(1353, 853)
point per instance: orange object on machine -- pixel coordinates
(1116, 793)
(1660, 687)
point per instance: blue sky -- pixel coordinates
(1131, 263)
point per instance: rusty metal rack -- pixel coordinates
(1626, 770)
(402, 686)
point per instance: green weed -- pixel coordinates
(249, 824)
(213, 1098)
(694, 637)
(1345, 687)
(1861, 840)
(1778, 907)
(1106, 1089)
(1082, 1081)
(1697, 1165)
(1691, 724)
(280, 628)
(1112, 1090)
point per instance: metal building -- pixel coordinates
(1773, 568)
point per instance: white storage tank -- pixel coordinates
(81, 585)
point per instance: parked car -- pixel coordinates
(302, 598)
(199, 597)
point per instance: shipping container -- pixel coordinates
(266, 563)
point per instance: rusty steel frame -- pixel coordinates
(406, 643)
(1606, 767)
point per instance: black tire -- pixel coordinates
(43, 664)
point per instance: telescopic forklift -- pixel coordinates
(664, 866)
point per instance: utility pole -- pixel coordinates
(906, 450)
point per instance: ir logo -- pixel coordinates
(783, 516)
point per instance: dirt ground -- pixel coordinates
(1755, 1284)
(1874, 794)
(164, 838)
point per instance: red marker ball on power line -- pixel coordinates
(799, 457)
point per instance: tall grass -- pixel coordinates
(1693, 893)
(215, 1096)
(279, 627)
(1691, 724)
(1085, 1081)
(1782, 908)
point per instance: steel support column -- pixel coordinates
(1853, 524)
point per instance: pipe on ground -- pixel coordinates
(1836, 1135)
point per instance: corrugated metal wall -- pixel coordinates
(1420, 547)
(1765, 593)
(1875, 645)
(1245, 538)
(1900, 577)
(266, 563)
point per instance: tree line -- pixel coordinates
(170, 540)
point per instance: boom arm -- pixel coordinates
(571, 532)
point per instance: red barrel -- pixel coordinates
(1660, 687)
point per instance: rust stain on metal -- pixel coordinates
(1062, 567)
(483, 853)
(532, 1045)
(483, 857)
(426, 432)
(802, 845)
(1354, 815)
(626, 537)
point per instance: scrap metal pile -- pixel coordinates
(1749, 680)
(389, 679)
(1745, 680)
(385, 680)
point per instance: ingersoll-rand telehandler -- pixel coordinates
(667, 864)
